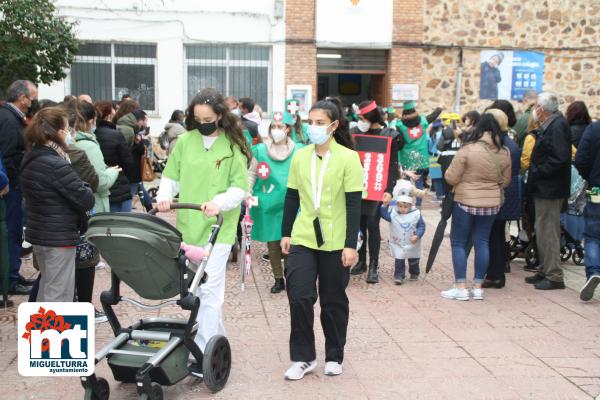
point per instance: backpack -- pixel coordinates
(163, 140)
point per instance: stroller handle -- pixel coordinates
(187, 206)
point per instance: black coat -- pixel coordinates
(577, 129)
(488, 83)
(587, 159)
(55, 197)
(550, 169)
(251, 126)
(116, 152)
(137, 151)
(12, 142)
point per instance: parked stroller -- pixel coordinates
(144, 252)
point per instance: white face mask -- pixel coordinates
(535, 115)
(236, 112)
(363, 126)
(278, 135)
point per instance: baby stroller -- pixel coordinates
(569, 248)
(144, 252)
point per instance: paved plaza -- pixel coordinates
(404, 342)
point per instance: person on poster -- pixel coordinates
(490, 76)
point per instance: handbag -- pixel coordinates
(146, 170)
(86, 254)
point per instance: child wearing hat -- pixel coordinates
(406, 230)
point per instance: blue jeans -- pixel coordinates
(147, 200)
(14, 225)
(591, 236)
(419, 183)
(124, 206)
(438, 185)
(574, 224)
(479, 227)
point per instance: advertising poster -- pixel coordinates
(508, 75)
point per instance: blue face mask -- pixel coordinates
(318, 134)
(69, 139)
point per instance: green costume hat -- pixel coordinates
(409, 105)
(292, 106)
(284, 117)
(390, 110)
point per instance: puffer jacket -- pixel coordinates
(173, 129)
(128, 126)
(81, 164)
(511, 209)
(106, 177)
(474, 175)
(55, 197)
(115, 152)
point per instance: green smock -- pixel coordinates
(415, 153)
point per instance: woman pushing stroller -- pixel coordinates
(208, 166)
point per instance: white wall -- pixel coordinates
(170, 24)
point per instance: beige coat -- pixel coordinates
(474, 175)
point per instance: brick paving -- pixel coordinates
(404, 342)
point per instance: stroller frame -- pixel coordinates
(213, 366)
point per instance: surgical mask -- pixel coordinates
(236, 111)
(69, 139)
(363, 126)
(318, 134)
(278, 135)
(207, 128)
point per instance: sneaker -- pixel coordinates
(587, 291)
(333, 368)
(100, 265)
(299, 369)
(477, 293)
(456, 294)
(414, 277)
(398, 281)
(100, 316)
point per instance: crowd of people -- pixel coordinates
(62, 163)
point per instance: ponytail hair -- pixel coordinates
(229, 122)
(45, 125)
(334, 109)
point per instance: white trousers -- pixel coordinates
(212, 295)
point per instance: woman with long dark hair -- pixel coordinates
(478, 173)
(579, 118)
(326, 183)
(208, 166)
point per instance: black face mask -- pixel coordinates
(33, 108)
(207, 128)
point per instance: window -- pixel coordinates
(234, 70)
(107, 71)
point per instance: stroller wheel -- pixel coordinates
(100, 392)
(578, 256)
(565, 253)
(216, 363)
(531, 256)
(156, 393)
(513, 247)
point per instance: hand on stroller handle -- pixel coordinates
(187, 206)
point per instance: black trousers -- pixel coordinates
(369, 226)
(304, 266)
(498, 251)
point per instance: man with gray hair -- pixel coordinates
(549, 184)
(21, 96)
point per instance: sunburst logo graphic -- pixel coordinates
(42, 321)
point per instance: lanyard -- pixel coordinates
(317, 190)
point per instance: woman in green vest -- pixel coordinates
(268, 175)
(299, 129)
(414, 156)
(320, 229)
(208, 166)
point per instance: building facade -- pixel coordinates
(163, 51)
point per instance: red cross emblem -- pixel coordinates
(416, 132)
(293, 107)
(263, 170)
(278, 116)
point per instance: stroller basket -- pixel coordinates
(142, 250)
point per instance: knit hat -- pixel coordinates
(500, 56)
(500, 118)
(403, 191)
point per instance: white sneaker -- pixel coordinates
(477, 293)
(100, 265)
(333, 368)
(299, 369)
(456, 294)
(587, 291)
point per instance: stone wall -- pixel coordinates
(567, 31)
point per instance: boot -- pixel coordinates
(373, 277)
(278, 286)
(359, 268)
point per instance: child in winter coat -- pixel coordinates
(406, 230)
